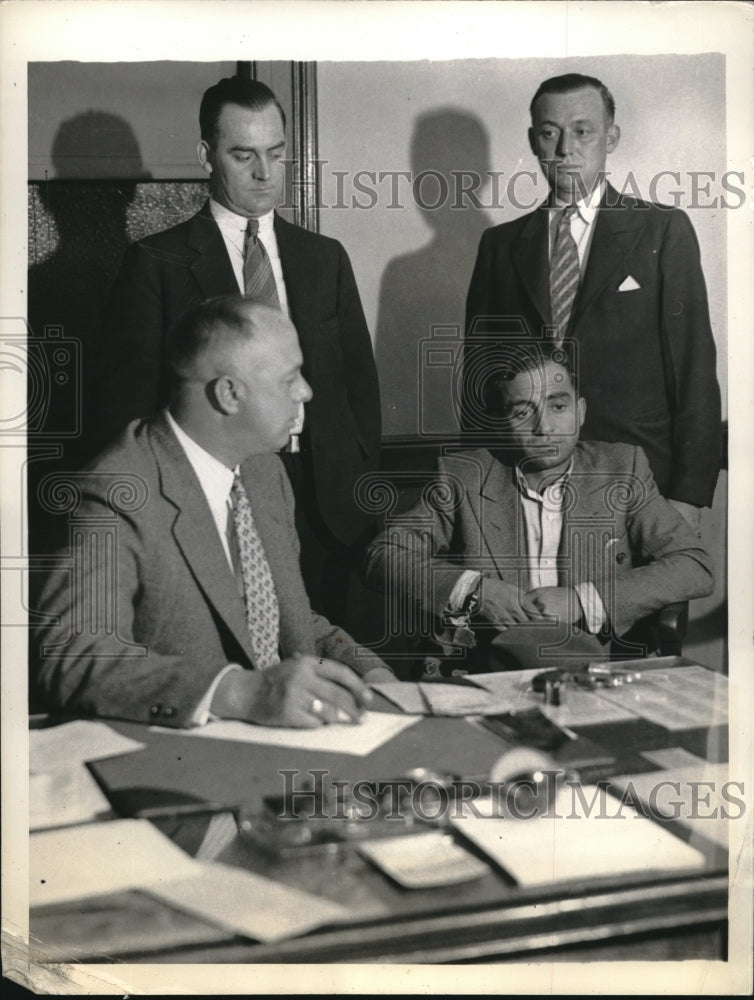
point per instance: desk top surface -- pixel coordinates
(675, 726)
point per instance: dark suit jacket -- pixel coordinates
(140, 630)
(618, 532)
(645, 358)
(164, 274)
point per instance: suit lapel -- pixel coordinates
(211, 268)
(196, 535)
(300, 273)
(499, 521)
(530, 255)
(616, 230)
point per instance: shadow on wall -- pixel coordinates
(97, 165)
(429, 286)
(78, 236)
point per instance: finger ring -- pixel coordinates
(316, 706)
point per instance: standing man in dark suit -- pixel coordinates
(238, 243)
(618, 279)
(182, 597)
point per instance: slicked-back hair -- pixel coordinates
(575, 81)
(233, 90)
(523, 359)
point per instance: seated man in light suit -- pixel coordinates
(547, 549)
(196, 607)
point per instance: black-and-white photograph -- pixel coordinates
(376, 461)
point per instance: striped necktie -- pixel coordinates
(262, 609)
(258, 279)
(564, 273)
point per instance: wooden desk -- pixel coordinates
(651, 915)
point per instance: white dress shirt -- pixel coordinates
(543, 518)
(216, 481)
(233, 230)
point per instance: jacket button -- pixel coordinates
(621, 557)
(155, 709)
(168, 712)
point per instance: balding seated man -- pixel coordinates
(195, 607)
(540, 550)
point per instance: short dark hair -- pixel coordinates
(523, 359)
(233, 90)
(575, 81)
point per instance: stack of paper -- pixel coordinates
(61, 789)
(359, 739)
(74, 743)
(700, 797)
(104, 858)
(587, 834)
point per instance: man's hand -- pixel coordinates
(303, 691)
(692, 515)
(561, 603)
(502, 604)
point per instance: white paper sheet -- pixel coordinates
(459, 700)
(683, 698)
(248, 904)
(578, 707)
(604, 839)
(73, 743)
(64, 797)
(698, 797)
(100, 858)
(374, 729)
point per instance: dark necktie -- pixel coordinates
(262, 610)
(564, 273)
(258, 279)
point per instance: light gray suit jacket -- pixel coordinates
(140, 625)
(618, 532)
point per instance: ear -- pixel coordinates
(613, 137)
(581, 405)
(203, 155)
(532, 143)
(224, 394)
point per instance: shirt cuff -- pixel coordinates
(202, 714)
(592, 606)
(466, 583)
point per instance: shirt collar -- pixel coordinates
(586, 209)
(214, 478)
(553, 492)
(231, 222)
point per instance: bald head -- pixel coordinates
(237, 386)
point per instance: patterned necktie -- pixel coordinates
(258, 279)
(262, 610)
(564, 273)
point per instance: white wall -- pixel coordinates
(152, 126)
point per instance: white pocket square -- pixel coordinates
(628, 284)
